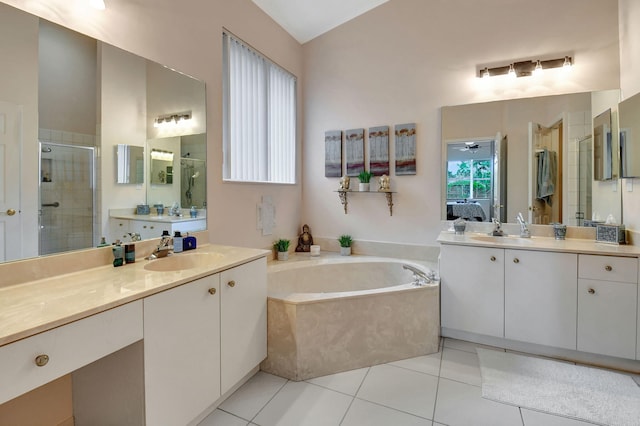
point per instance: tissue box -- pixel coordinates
(142, 209)
(610, 233)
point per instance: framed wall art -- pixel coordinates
(405, 149)
(354, 151)
(333, 153)
(379, 150)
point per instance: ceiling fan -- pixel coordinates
(470, 146)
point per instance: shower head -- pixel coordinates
(46, 149)
(195, 175)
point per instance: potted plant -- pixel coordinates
(345, 244)
(364, 177)
(282, 247)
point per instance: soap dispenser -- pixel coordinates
(118, 254)
(177, 242)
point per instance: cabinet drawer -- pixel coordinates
(68, 348)
(608, 268)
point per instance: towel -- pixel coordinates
(547, 170)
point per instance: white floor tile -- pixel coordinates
(366, 413)
(462, 345)
(220, 418)
(429, 364)
(398, 388)
(462, 404)
(460, 366)
(347, 382)
(536, 418)
(253, 395)
(301, 403)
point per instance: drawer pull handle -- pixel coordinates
(231, 283)
(608, 268)
(212, 291)
(42, 360)
(591, 291)
(493, 258)
(516, 260)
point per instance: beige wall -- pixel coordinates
(629, 12)
(405, 59)
(189, 38)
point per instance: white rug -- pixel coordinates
(578, 392)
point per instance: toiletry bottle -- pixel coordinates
(193, 212)
(118, 254)
(103, 242)
(177, 242)
(130, 253)
(189, 242)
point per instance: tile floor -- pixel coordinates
(437, 389)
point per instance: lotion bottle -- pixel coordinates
(177, 242)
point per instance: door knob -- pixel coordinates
(212, 291)
(231, 283)
(516, 260)
(591, 291)
(42, 360)
(492, 258)
(11, 212)
(608, 268)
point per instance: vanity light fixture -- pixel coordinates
(97, 4)
(526, 68)
(159, 154)
(173, 120)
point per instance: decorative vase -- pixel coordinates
(283, 255)
(363, 187)
(345, 251)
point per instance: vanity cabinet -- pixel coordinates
(244, 320)
(472, 288)
(182, 351)
(36, 360)
(607, 305)
(150, 229)
(540, 297)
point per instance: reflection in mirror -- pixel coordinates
(556, 123)
(129, 164)
(604, 165)
(161, 167)
(70, 92)
(629, 116)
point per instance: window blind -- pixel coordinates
(259, 117)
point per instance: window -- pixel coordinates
(470, 179)
(259, 136)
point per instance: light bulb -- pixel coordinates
(512, 71)
(485, 73)
(538, 69)
(567, 62)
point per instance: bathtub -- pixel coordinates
(331, 314)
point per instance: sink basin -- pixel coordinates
(511, 239)
(179, 262)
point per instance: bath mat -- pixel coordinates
(578, 392)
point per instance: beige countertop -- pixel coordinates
(155, 218)
(36, 306)
(569, 245)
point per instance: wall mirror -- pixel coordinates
(629, 116)
(605, 158)
(129, 164)
(161, 167)
(89, 113)
(558, 128)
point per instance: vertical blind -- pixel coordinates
(259, 117)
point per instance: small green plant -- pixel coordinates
(281, 245)
(365, 176)
(345, 240)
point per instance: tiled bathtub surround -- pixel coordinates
(332, 314)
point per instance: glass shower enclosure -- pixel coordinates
(67, 197)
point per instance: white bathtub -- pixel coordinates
(332, 314)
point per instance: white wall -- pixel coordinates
(188, 37)
(629, 15)
(405, 59)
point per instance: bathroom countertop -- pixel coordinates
(36, 306)
(569, 245)
(155, 218)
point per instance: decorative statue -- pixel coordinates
(305, 240)
(344, 183)
(383, 183)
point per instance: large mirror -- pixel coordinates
(545, 169)
(629, 140)
(83, 117)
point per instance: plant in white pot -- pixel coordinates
(345, 244)
(282, 247)
(364, 177)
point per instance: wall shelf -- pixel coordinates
(344, 199)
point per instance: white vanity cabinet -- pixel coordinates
(607, 305)
(243, 307)
(36, 360)
(540, 297)
(182, 351)
(472, 288)
(152, 228)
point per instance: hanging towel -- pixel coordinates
(547, 170)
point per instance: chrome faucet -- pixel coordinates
(162, 249)
(524, 228)
(420, 278)
(497, 228)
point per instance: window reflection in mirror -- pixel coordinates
(129, 164)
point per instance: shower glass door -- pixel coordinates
(67, 198)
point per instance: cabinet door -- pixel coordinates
(182, 351)
(243, 320)
(118, 230)
(472, 286)
(541, 297)
(607, 317)
(148, 230)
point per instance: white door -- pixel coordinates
(536, 145)
(10, 143)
